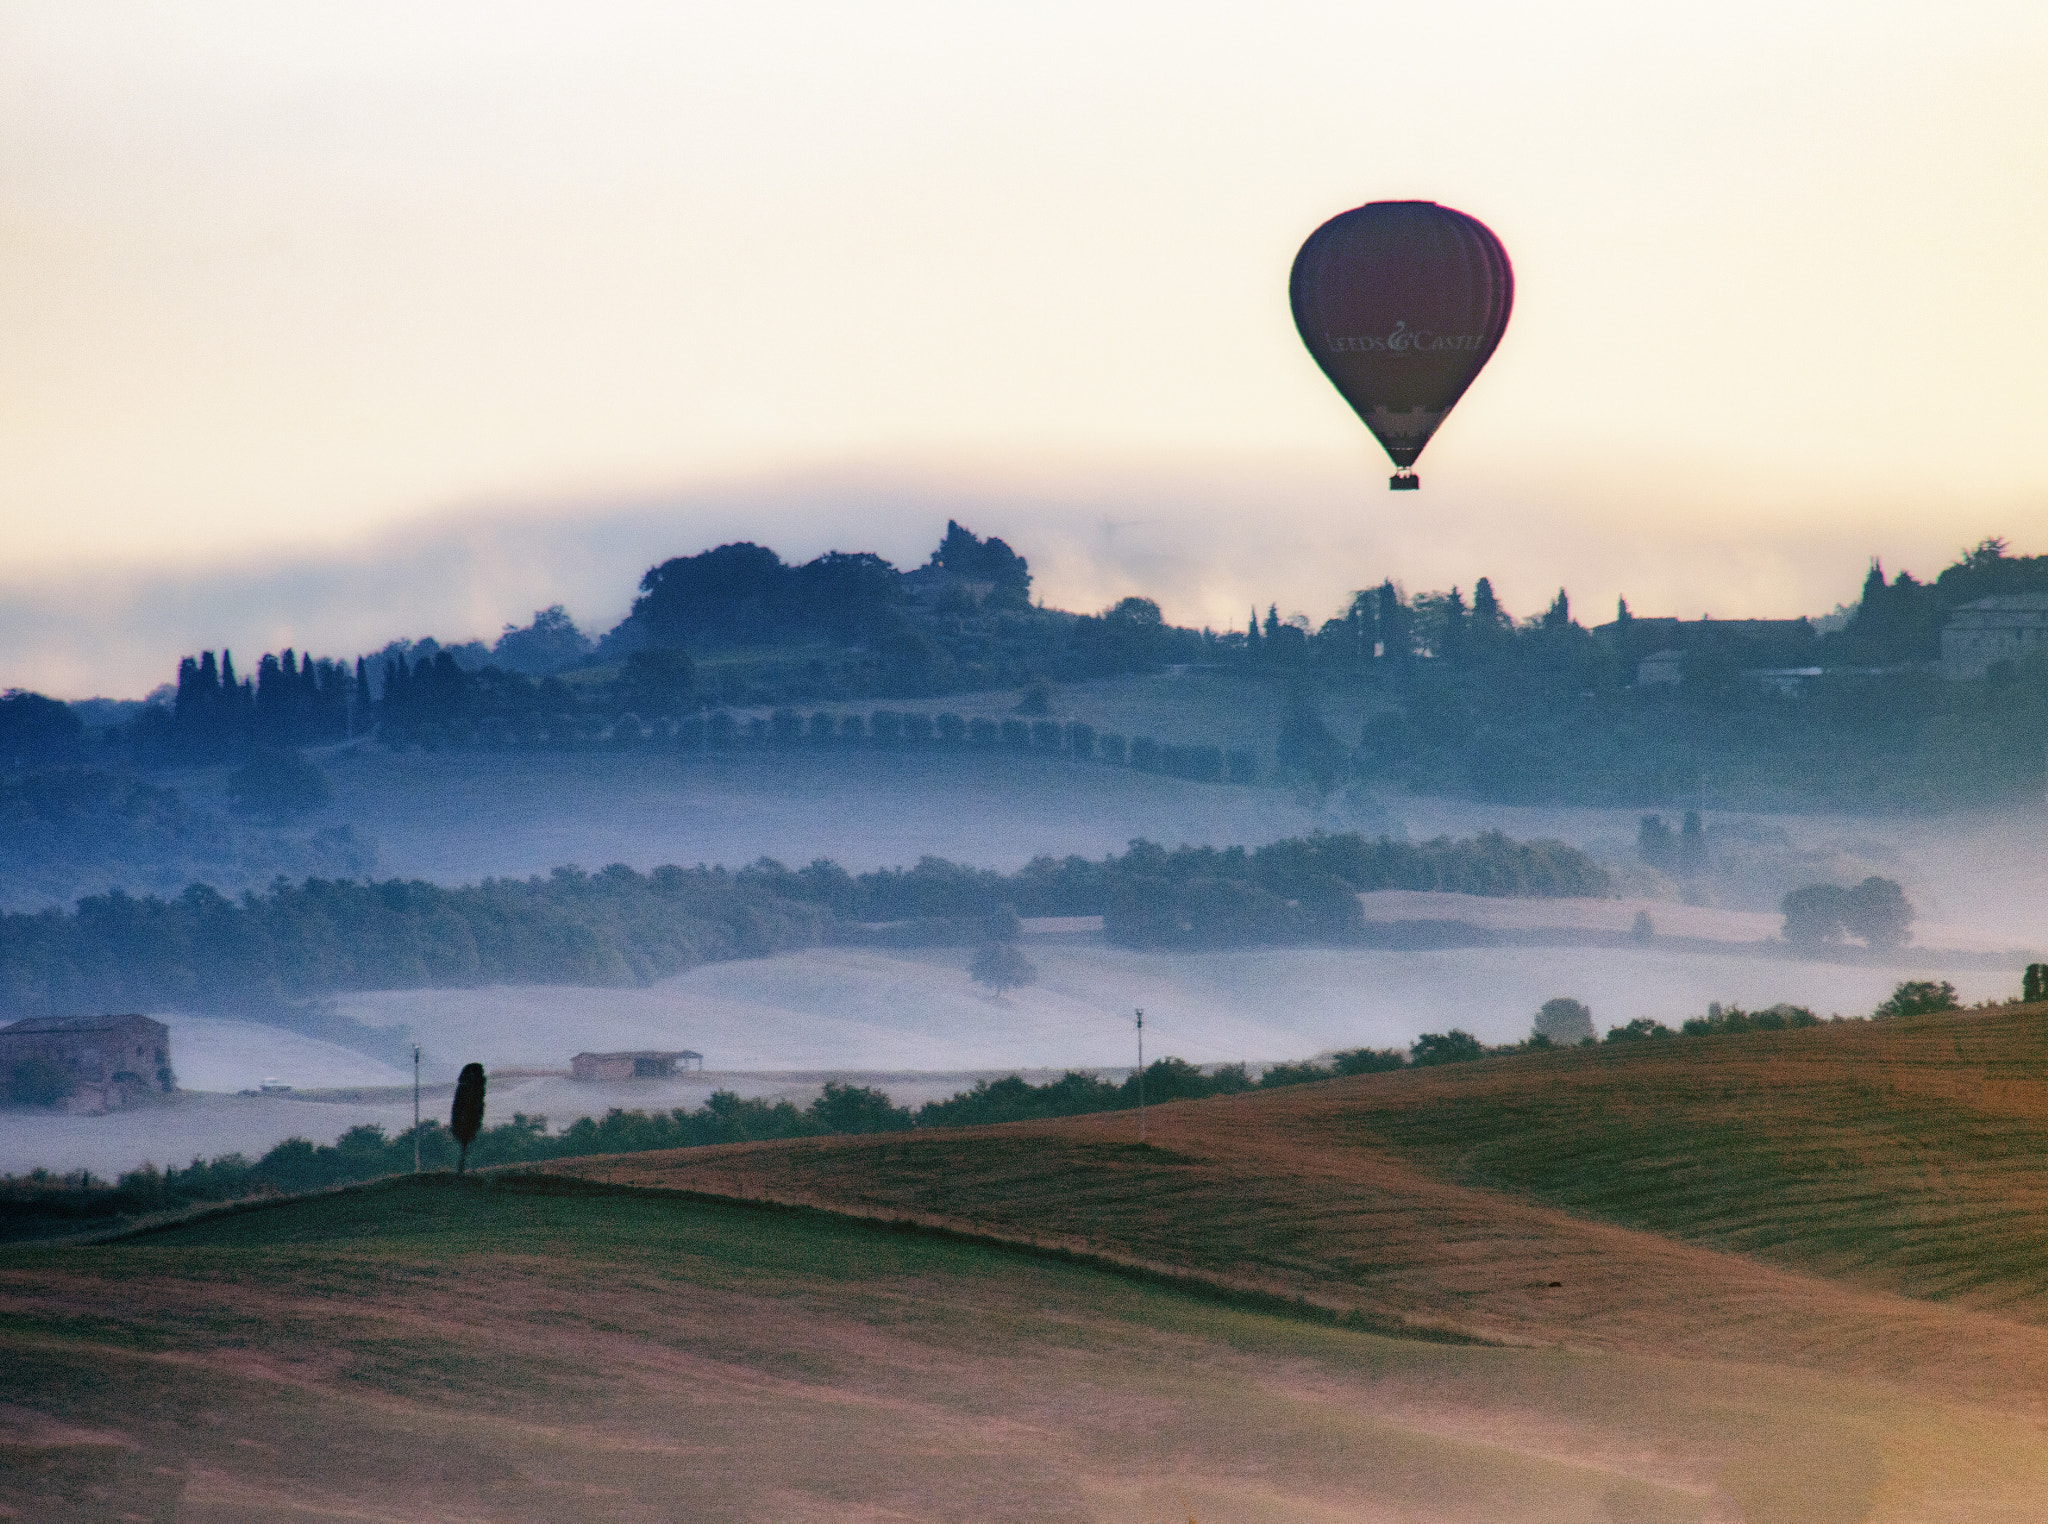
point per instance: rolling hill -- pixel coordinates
(1865, 1198)
(1790, 1277)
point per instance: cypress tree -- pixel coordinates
(466, 1116)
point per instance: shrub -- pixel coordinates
(1045, 735)
(886, 726)
(1242, 767)
(852, 730)
(951, 729)
(785, 727)
(1110, 747)
(1145, 754)
(1081, 741)
(1016, 735)
(823, 729)
(983, 732)
(917, 729)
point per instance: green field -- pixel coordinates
(428, 1349)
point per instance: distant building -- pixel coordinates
(646, 1064)
(1993, 630)
(88, 1064)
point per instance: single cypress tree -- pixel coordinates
(466, 1117)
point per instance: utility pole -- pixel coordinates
(1141, 1075)
(415, 1108)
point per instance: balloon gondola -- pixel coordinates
(1402, 303)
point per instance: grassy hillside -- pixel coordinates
(429, 1350)
(1867, 1198)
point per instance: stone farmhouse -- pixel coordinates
(87, 1064)
(1993, 630)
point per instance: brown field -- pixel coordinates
(1862, 1198)
(1784, 1277)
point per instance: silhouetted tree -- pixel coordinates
(466, 1116)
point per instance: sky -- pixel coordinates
(321, 325)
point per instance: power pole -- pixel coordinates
(415, 1108)
(1141, 1076)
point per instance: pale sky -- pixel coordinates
(293, 291)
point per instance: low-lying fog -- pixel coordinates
(877, 1016)
(913, 1024)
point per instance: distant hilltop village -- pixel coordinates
(734, 649)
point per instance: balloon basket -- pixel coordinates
(1404, 481)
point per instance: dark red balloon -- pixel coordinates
(1401, 303)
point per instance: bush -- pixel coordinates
(1081, 741)
(917, 729)
(1564, 1021)
(1242, 767)
(1452, 1047)
(983, 733)
(1016, 735)
(951, 729)
(1918, 997)
(1110, 747)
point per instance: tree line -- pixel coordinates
(294, 942)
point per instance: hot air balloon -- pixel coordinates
(1401, 303)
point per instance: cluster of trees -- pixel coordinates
(201, 949)
(289, 703)
(1876, 912)
(320, 937)
(1294, 890)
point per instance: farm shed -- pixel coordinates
(644, 1064)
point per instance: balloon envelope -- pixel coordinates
(1401, 303)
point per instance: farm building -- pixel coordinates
(88, 1064)
(1991, 630)
(646, 1064)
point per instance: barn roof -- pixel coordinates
(75, 1023)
